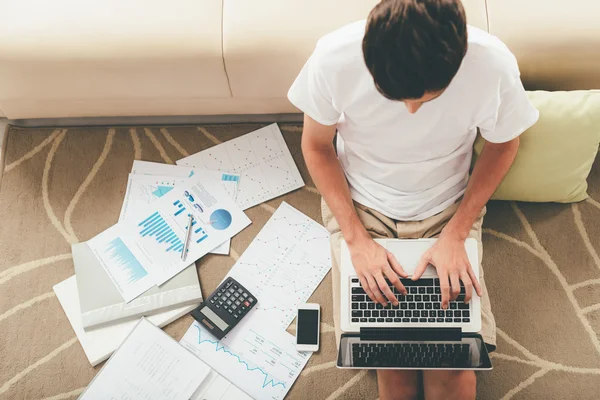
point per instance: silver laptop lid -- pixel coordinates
(454, 351)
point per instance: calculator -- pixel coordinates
(224, 308)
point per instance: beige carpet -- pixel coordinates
(61, 186)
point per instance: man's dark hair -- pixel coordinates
(414, 46)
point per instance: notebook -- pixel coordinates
(102, 304)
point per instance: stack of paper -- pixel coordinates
(146, 250)
(98, 344)
(136, 268)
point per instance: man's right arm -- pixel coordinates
(326, 171)
(371, 261)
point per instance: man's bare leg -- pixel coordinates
(449, 385)
(398, 385)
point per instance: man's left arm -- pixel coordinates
(491, 167)
(502, 120)
(448, 254)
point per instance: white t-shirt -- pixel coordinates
(411, 166)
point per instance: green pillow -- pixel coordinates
(556, 154)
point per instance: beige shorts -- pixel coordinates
(380, 226)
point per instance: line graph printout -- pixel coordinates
(261, 158)
(283, 266)
(262, 362)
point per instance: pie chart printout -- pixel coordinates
(220, 219)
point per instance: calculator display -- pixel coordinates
(214, 318)
(224, 308)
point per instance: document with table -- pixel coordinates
(149, 365)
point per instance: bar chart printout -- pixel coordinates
(157, 237)
(261, 361)
(123, 268)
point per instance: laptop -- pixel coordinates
(417, 334)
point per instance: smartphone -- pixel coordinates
(307, 327)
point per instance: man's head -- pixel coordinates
(413, 48)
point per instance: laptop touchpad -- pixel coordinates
(409, 252)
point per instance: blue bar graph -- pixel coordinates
(203, 235)
(201, 239)
(156, 227)
(122, 257)
(228, 177)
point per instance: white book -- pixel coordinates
(101, 303)
(99, 344)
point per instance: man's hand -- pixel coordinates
(449, 257)
(373, 264)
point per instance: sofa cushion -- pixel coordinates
(556, 154)
(65, 54)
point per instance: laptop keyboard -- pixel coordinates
(410, 355)
(422, 304)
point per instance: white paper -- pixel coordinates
(157, 239)
(283, 265)
(149, 365)
(153, 168)
(98, 344)
(216, 387)
(263, 362)
(261, 158)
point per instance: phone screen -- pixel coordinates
(308, 327)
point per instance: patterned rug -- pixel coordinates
(62, 186)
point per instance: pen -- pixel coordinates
(187, 238)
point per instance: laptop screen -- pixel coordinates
(467, 353)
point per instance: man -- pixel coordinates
(407, 91)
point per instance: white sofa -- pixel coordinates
(89, 58)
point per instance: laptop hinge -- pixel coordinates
(417, 334)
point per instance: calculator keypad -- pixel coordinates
(233, 299)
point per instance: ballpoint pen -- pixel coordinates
(187, 238)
